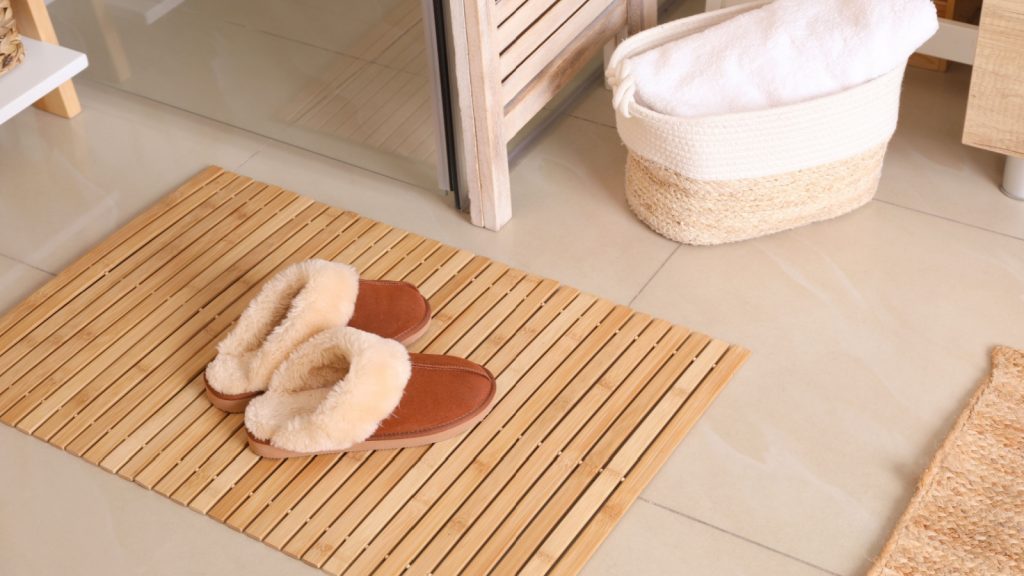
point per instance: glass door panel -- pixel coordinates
(354, 80)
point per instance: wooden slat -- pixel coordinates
(506, 8)
(582, 527)
(107, 354)
(540, 16)
(106, 361)
(555, 63)
(561, 17)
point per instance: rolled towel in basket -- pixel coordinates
(785, 52)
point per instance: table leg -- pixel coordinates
(1013, 178)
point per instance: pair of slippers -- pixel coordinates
(318, 363)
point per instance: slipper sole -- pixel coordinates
(266, 450)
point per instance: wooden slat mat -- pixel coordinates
(106, 362)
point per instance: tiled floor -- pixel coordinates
(868, 332)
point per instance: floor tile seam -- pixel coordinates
(738, 536)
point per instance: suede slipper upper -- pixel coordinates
(298, 302)
(346, 390)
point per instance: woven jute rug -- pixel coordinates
(106, 362)
(968, 514)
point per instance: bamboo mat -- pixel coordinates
(106, 360)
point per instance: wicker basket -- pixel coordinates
(731, 177)
(11, 49)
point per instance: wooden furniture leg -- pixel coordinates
(1013, 178)
(478, 79)
(34, 22)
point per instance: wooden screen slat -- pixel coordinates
(533, 16)
(534, 84)
(516, 46)
(519, 66)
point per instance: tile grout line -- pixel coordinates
(735, 535)
(656, 272)
(947, 219)
(591, 121)
(246, 161)
(28, 265)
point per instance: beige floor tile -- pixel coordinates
(653, 541)
(571, 220)
(68, 184)
(18, 281)
(868, 335)
(595, 106)
(928, 169)
(70, 517)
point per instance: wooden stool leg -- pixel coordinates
(34, 22)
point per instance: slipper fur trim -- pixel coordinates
(304, 411)
(298, 302)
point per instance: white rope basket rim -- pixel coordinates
(733, 145)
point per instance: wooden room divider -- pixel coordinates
(511, 58)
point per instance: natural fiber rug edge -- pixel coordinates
(1007, 364)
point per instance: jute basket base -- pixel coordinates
(708, 212)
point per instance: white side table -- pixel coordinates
(44, 77)
(45, 68)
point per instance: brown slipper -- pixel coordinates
(298, 302)
(346, 390)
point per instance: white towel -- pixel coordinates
(785, 52)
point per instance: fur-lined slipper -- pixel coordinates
(298, 302)
(347, 390)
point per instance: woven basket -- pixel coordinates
(731, 177)
(11, 49)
